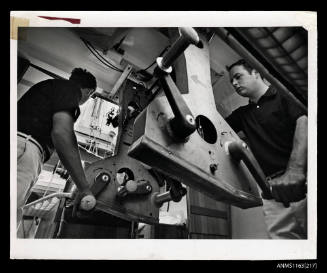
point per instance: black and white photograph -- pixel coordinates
(140, 136)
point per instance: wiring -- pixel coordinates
(163, 51)
(97, 54)
(103, 62)
(145, 69)
(99, 57)
(104, 59)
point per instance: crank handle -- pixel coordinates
(174, 194)
(239, 151)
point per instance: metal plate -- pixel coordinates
(190, 161)
(132, 208)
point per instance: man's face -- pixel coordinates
(245, 83)
(86, 93)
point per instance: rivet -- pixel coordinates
(190, 119)
(213, 168)
(105, 177)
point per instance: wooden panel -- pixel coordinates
(207, 218)
(208, 225)
(198, 199)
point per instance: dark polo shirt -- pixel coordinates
(36, 108)
(269, 126)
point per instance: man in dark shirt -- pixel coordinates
(45, 121)
(276, 130)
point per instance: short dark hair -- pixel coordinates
(243, 63)
(83, 78)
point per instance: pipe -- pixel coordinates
(52, 195)
(242, 51)
(161, 198)
(87, 203)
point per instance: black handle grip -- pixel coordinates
(183, 124)
(239, 151)
(188, 36)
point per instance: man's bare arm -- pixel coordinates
(298, 158)
(65, 143)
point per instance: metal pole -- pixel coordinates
(242, 51)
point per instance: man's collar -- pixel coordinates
(271, 92)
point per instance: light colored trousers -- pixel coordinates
(29, 166)
(286, 223)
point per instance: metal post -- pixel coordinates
(120, 81)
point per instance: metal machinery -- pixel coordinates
(172, 136)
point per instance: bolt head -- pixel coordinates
(105, 177)
(88, 202)
(190, 119)
(213, 167)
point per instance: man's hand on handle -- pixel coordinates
(289, 187)
(84, 200)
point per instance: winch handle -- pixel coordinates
(239, 151)
(188, 36)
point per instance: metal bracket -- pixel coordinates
(111, 96)
(100, 182)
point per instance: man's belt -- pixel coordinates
(31, 139)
